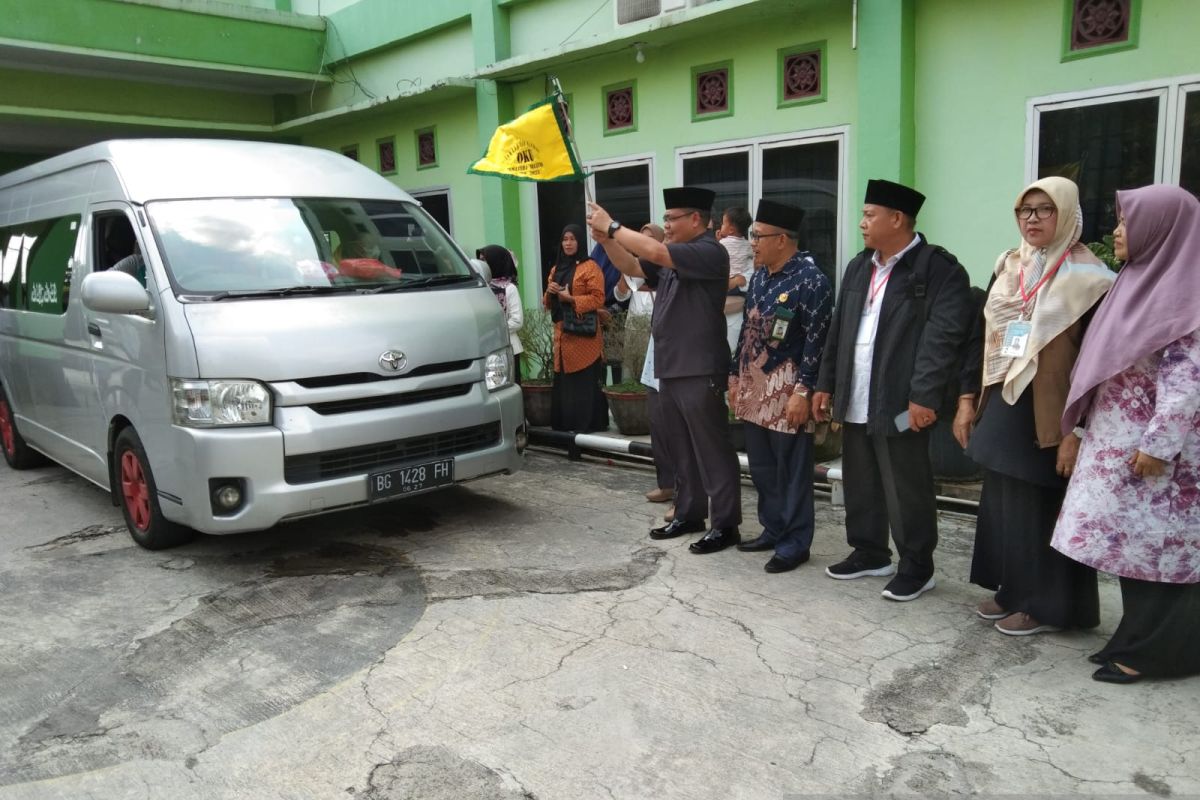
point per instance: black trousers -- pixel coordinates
(664, 469)
(888, 482)
(1013, 556)
(781, 466)
(1157, 632)
(696, 420)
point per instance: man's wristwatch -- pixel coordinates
(613, 227)
(803, 391)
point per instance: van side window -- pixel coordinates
(117, 246)
(34, 271)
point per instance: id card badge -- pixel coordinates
(1016, 338)
(779, 329)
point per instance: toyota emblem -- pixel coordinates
(393, 360)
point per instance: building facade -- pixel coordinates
(798, 100)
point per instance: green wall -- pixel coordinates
(977, 66)
(243, 37)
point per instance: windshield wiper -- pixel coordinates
(284, 291)
(420, 283)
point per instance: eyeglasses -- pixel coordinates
(667, 218)
(754, 237)
(1043, 212)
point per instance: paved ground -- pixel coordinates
(522, 638)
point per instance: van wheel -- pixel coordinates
(18, 454)
(139, 497)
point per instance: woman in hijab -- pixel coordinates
(1033, 323)
(1133, 506)
(576, 287)
(504, 285)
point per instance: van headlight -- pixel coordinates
(219, 402)
(498, 369)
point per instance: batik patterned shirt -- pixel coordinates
(769, 371)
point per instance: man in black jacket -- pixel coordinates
(894, 345)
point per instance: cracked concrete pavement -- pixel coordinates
(521, 637)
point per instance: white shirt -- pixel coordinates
(741, 258)
(868, 325)
(515, 317)
(640, 303)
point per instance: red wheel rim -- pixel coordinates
(7, 437)
(136, 490)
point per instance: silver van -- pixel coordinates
(226, 335)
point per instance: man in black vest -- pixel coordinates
(690, 275)
(901, 320)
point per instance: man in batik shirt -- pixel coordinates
(788, 307)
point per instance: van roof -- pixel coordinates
(159, 169)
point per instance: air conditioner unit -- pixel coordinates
(636, 10)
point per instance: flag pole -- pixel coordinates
(562, 106)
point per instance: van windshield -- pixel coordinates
(287, 246)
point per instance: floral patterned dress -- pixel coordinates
(1116, 522)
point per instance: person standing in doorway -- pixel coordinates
(690, 275)
(902, 318)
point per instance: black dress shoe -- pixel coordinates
(1111, 673)
(714, 540)
(781, 564)
(1097, 658)
(757, 545)
(677, 527)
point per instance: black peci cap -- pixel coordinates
(894, 195)
(781, 215)
(689, 197)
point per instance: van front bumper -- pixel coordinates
(279, 485)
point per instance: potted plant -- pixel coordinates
(537, 340)
(627, 400)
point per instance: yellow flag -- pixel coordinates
(533, 147)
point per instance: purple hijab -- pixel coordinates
(1154, 299)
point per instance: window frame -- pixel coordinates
(619, 162)
(1171, 92)
(756, 145)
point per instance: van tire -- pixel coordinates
(138, 496)
(18, 454)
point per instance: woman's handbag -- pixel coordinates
(579, 324)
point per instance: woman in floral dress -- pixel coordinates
(1133, 505)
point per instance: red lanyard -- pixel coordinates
(1027, 296)
(876, 288)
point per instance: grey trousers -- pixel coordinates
(664, 468)
(696, 420)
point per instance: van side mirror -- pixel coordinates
(481, 268)
(114, 292)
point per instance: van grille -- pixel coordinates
(312, 467)
(324, 381)
(389, 400)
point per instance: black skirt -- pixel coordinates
(576, 402)
(1013, 556)
(1157, 635)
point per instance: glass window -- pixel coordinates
(625, 193)
(727, 174)
(806, 175)
(559, 204)
(273, 246)
(1189, 158)
(1103, 148)
(34, 271)
(437, 204)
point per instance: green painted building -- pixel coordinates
(968, 100)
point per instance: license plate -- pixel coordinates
(406, 480)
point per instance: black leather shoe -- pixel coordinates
(757, 545)
(1111, 673)
(677, 527)
(1097, 658)
(781, 564)
(714, 540)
